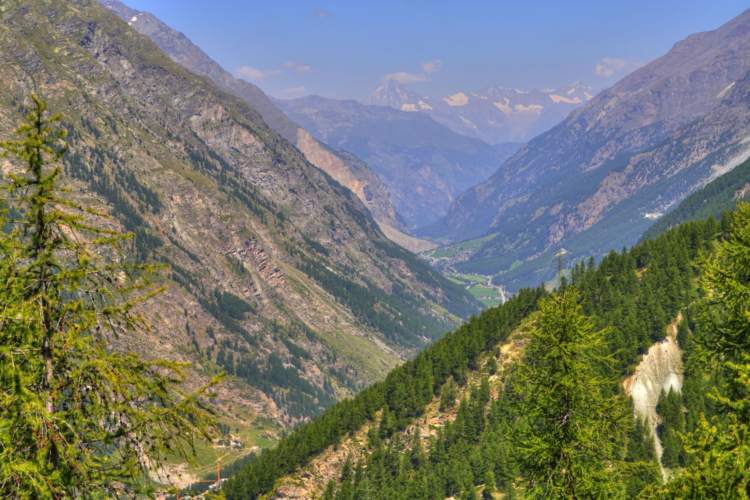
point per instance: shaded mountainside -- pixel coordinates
(343, 167)
(494, 114)
(632, 152)
(423, 164)
(717, 197)
(278, 274)
(440, 425)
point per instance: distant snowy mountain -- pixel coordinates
(494, 114)
(394, 95)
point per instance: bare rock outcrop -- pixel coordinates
(660, 369)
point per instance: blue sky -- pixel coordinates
(343, 49)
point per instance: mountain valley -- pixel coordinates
(262, 244)
(597, 180)
(423, 164)
(498, 294)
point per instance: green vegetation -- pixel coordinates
(397, 315)
(77, 418)
(405, 392)
(568, 447)
(478, 286)
(450, 251)
(715, 449)
(628, 302)
(489, 296)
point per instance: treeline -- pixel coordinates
(470, 456)
(635, 294)
(406, 392)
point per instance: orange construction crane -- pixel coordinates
(217, 480)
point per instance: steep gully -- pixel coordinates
(660, 369)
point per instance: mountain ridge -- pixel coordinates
(345, 168)
(494, 114)
(633, 150)
(423, 164)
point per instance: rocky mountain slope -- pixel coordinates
(424, 164)
(716, 197)
(494, 114)
(342, 166)
(596, 181)
(278, 274)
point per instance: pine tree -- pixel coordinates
(489, 485)
(77, 419)
(566, 449)
(330, 491)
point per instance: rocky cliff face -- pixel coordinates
(630, 153)
(659, 370)
(343, 167)
(423, 164)
(278, 274)
(494, 114)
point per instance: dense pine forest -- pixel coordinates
(630, 298)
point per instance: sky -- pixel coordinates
(345, 49)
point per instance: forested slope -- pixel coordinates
(635, 294)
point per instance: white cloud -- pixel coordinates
(257, 75)
(322, 13)
(249, 73)
(403, 77)
(299, 67)
(611, 66)
(432, 66)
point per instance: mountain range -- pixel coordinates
(494, 114)
(597, 180)
(423, 163)
(277, 219)
(279, 275)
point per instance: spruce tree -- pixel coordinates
(77, 419)
(566, 449)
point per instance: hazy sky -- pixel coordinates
(343, 49)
